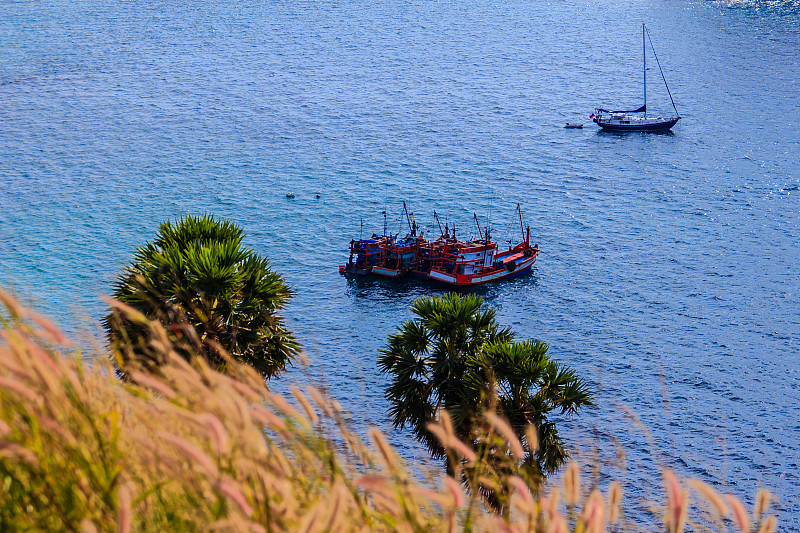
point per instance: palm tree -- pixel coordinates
(214, 296)
(455, 357)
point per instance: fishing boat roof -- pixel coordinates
(478, 242)
(404, 242)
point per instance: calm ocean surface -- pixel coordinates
(670, 266)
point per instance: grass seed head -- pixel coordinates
(614, 502)
(454, 489)
(229, 489)
(677, 503)
(522, 489)
(152, 382)
(220, 436)
(711, 496)
(13, 385)
(447, 423)
(440, 434)
(572, 484)
(305, 404)
(503, 428)
(558, 524)
(16, 452)
(532, 436)
(87, 526)
(321, 401)
(769, 525)
(49, 331)
(552, 502)
(124, 513)
(463, 450)
(762, 503)
(739, 513)
(594, 513)
(192, 452)
(385, 450)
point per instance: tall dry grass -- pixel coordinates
(192, 449)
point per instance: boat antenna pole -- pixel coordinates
(662, 73)
(521, 228)
(438, 222)
(361, 235)
(408, 219)
(478, 224)
(644, 70)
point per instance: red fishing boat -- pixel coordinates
(386, 255)
(399, 257)
(480, 261)
(365, 254)
(446, 260)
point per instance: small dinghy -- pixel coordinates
(573, 125)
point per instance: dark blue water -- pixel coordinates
(669, 269)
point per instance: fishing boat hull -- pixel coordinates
(510, 269)
(636, 125)
(388, 272)
(352, 270)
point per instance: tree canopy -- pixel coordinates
(215, 297)
(455, 357)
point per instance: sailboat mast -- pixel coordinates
(644, 70)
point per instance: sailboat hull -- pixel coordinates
(635, 124)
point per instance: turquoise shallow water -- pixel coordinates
(669, 267)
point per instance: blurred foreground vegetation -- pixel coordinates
(190, 449)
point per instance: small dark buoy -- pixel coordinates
(319, 195)
(289, 195)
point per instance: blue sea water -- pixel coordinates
(669, 269)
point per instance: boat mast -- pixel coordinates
(438, 222)
(411, 228)
(480, 232)
(525, 237)
(644, 70)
